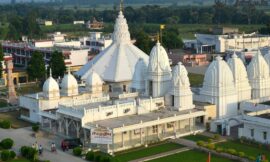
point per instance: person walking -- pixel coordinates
(40, 150)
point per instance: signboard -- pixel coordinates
(101, 136)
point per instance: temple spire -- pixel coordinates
(121, 5)
(50, 72)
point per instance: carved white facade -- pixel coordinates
(258, 74)
(240, 78)
(180, 96)
(219, 88)
(159, 72)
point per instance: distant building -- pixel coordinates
(75, 55)
(95, 25)
(96, 42)
(78, 22)
(44, 22)
(227, 40)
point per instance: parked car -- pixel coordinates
(70, 143)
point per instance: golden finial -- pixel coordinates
(158, 37)
(121, 5)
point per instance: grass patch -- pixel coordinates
(195, 79)
(13, 118)
(191, 156)
(197, 138)
(144, 152)
(34, 88)
(242, 147)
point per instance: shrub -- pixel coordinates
(251, 158)
(35, 127)
(211, 146)
(7, 143)
(5, 155)
(201, 143)
(90, 156)
(264, 161)
(216, 136)
(105, 159)
(219, 149)
(5, 124)
(12, 154)
(210, 140)
(29, 153)
(97, 158)
(232, 151)
(241, 154)
(77, 151)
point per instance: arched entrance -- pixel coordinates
(232, 126)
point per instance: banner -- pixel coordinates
(101, 136)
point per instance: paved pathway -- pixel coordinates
(22, 137)
(157, 156)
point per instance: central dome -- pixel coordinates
(117, 62)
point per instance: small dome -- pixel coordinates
(69, 85)
(258, 67)
(139, 75)
(218, 74)
(238, 68)
(93, 79)
(180, 76)
(159, 59)
(50, 88)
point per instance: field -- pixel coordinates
(13, 118)
(241, 147)
(191, 156)
(144, 152)
(197, 137)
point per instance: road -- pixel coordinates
(22, 137)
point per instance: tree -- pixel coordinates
(171, 39)
(1, 59)
(143, 41)
(57, 64)
(36, 66)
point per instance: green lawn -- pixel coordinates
(247, 149)
(195, 79)
(191, 156)
(144, 152)
(28, 89)
(13, 118)
(197, 137)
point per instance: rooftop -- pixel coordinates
(136, 119)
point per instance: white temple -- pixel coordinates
(116, 64)
(154, 104)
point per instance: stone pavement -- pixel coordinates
(161, 155)
(22, 137)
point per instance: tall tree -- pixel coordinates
(1, 59)
(36, 67)
(57, 64)
(143, 42)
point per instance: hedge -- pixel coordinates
(5, 124)
(77, 151)
(7, 143)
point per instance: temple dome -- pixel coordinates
(51, 88)
(180, 76)
(258, 67)
(218, 74)
(240, 77)
(93, 79)
(159, 60)
(69, 85)
(117, 62)
(238, 68)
